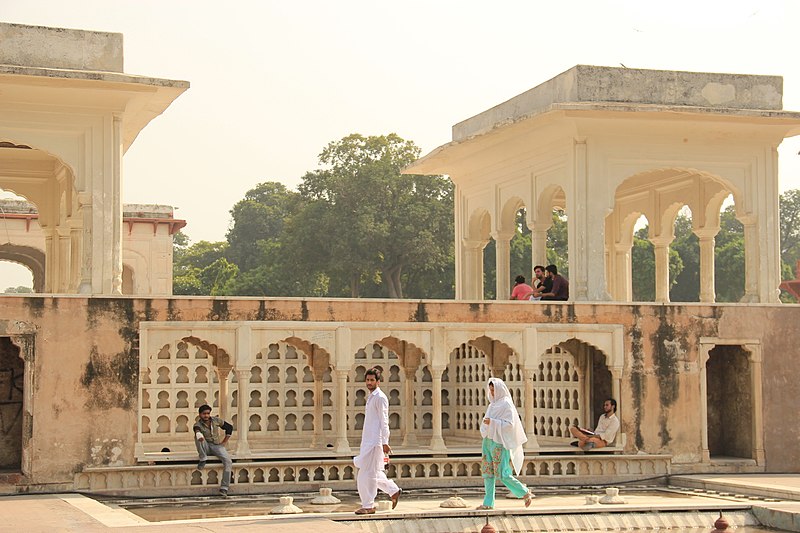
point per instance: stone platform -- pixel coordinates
(669, 508)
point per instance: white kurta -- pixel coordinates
(369, 461)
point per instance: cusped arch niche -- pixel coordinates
(31, 258)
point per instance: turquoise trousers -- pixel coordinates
(496, 463)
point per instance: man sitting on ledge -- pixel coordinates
(605, 432)
(559, 286)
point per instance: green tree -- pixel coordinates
(729, 257)
(790, 238)
(557, 243)
(644, 267)
(367, 226)
(687, 246)
(201, 268)
(259, 218)
(258, 245)
(21, 289)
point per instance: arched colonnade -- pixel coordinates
(300, 387)
(658, 194)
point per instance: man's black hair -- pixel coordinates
(538, 267)
(203, 407)
(552, 269)
(373, 372)
(520, 279)
(613, 403)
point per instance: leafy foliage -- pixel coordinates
(21, 289)
(644, 267)
(355, 227)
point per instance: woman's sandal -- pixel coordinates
(528, 499)
(484, 508)
(366, 511)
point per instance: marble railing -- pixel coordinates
(339, 474)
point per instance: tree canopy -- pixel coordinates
(355, 227)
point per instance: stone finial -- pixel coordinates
(453, 502)
(488, 528)
(720, 524)
(325, 497)
(286, 506)
(612, 496)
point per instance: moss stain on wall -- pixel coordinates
(637, 375)
(219, 310)
(668, 346)
(421, 314)
(113, 380)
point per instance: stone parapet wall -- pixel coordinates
(339, 474)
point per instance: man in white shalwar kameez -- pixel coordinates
(374, 445)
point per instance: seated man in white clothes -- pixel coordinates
(605, 432)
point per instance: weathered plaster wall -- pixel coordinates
(86, 363)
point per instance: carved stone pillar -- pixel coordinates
(623, 287)
(751, 260)
(703, 356)
(64, 251)
(26, 344)
(437, 442)
(116, 207)
(473, 269)
(756, 359)
(342, 446)
(530, 420)
(502, 258)
(707, 289)
(243, 383)
(539, 246)
(317, 441)
(661, 245)
(86, 209)
(51, 262)
(224, 398)
(411, 410)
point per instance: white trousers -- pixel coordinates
(370, 480)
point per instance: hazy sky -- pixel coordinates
(274, 82)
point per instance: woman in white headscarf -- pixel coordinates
(503, 438)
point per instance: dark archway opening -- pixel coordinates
(730, 403)
(12, 370)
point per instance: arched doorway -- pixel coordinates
(44, 197)
(12, 375)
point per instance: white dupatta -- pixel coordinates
(504, 426)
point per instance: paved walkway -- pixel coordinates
(696, 504)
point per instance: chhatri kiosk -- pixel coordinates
(68, 113)
(608, 145)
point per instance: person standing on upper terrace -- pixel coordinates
(503, 437)
(374, 447)
(207, 441)
(560, 288)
